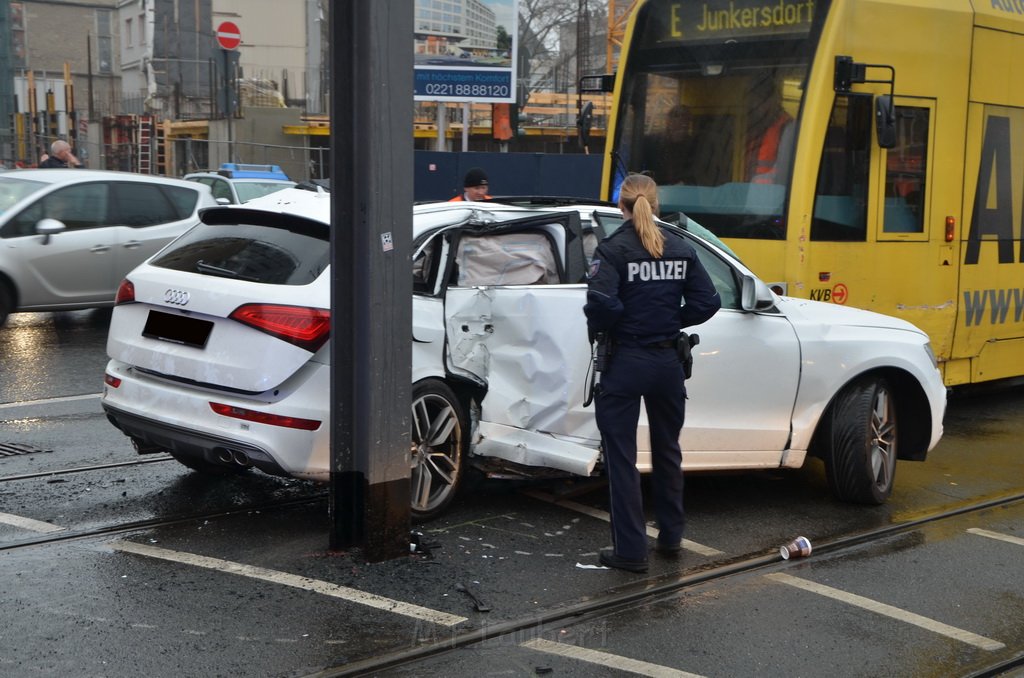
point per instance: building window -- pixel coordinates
(18, 34)
(128, 32)
(104, 51)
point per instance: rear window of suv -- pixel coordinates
(257, 253)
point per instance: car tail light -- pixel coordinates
(111, 380)
(307, 328)
(125, 292)
(265, 417)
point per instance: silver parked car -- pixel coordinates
(68, 236)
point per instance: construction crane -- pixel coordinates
(618, 17)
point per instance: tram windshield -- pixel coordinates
(710, 106)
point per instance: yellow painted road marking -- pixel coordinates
(612, 661)
(603, 515)
(996, 535)
(287, 579)
(28, 523)
(888, 610)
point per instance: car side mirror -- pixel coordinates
(584, 123)
(755, 294)
(48, 227)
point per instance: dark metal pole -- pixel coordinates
(214, 112)
(371, 164)
(579, 54)
(88, 60)
(229, 99)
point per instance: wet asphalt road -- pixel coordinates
(257, 593)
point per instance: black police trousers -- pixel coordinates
(656, 375)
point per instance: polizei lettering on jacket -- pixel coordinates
(656, 270)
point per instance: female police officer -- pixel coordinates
(638, 281)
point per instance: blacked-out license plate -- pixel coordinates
(177, 328)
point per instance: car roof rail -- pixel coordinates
(536, 201)
(549, 200)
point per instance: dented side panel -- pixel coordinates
(529, 345)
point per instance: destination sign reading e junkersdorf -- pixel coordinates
(736, 19)
(466, 53)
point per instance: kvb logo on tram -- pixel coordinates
(838, 294)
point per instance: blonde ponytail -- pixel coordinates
(639, 194)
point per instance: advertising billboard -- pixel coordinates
(465, 50)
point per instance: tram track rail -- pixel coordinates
(66, 535)
(653, 589)
(86, 469)
(999, 668)
(69, 535)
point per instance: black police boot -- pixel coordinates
(609, 559)
(668, 549)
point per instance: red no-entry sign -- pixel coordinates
(228, 35)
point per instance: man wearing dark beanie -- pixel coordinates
(474, 186)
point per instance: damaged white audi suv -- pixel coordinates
(219, 356)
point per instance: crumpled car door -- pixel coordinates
(514, 322)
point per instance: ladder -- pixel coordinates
(160, 149)
(144, 161)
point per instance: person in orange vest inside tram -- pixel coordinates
(769, 134)
(474, 186)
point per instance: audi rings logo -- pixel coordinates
(176, 297)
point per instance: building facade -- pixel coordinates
(59, 72)
(174, 66)
(455, 28)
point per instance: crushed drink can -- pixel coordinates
(798, 548)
